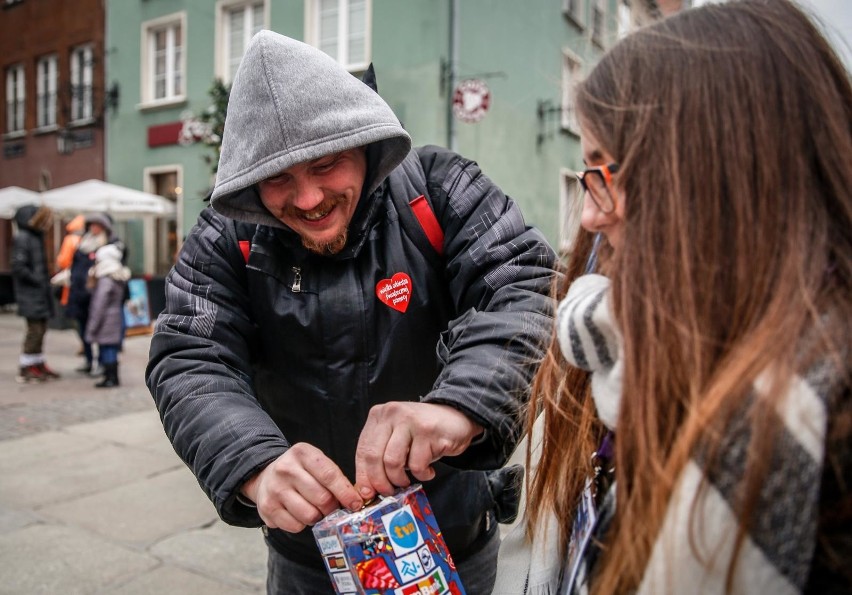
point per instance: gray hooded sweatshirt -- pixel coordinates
(271, 125)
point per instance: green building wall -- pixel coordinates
(514, 46)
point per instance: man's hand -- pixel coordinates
(299, 488)
(400, 435)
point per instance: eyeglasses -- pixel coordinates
(596, 181)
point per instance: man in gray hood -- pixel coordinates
(349, 316)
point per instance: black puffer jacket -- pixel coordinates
(30, 277)
(250, 357)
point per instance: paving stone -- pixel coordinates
(61, 479)
(167, 579)
(56, 559)
(140, 513)
(12, 519)
(232, 553)
(132, 429)
(32, 450)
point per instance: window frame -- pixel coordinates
(572, 71)
(576, 11)
(46, 98)
(16, 100)
(81, 84)
(224, 8)
(312, 32)
(570, 209)
(598, 35)
(148, 58)
(155, 231)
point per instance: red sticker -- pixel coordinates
(395, 292)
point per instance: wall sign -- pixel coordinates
(471, 99)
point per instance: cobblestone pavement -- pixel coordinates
(31, 408)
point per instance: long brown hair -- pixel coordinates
(732, 125)
(570, 431)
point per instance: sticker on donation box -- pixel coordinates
(391, 547)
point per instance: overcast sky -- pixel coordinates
(836, 17)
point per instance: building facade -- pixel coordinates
(54, 97)
(507, 67)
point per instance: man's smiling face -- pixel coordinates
(317, 199)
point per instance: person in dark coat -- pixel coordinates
(318, 344)
(31, 281)
(105, 326)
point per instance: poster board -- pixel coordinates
(137, 309)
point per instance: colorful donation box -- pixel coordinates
(392, 547)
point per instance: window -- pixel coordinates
(598, 23)
(15, 97)
(625, 18)
(570, 209)
(165, 180)
(81, 83)
(341, 28)
(46, 92)
(574, 10)
(238, 22)
(164, 63)
(571, 72)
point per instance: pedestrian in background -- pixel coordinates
(65, 257)
(105, 328)
(713, 451)
(98, 233)
(33, 296)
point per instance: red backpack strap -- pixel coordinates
(245, 248)
(426, 217)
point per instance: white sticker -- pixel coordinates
(426, 558)
(434, 584)
(409, 567)
(402, 530)
(344, 582)
(329, 545)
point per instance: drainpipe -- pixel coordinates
(451, 73)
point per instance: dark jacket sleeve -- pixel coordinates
(499, 272)
(22, 260)
(199, 369)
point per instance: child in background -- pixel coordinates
(109, 278)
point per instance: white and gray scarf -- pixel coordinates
(693, 549)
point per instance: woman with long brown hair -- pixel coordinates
(719, 147)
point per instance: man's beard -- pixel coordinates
(327, 248)
(324, 248)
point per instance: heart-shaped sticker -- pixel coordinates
(395, 292)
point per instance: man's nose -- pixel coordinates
(308, 195)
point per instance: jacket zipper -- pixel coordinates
(297, 280)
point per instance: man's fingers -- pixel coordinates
(396, 457)
(325, 487)
(279, 518)
(370, 473)
(420, 460)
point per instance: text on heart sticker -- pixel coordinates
(395, 292)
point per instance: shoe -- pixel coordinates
(110, 377)
(84, 369)
(30, 374)
(47, 372)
